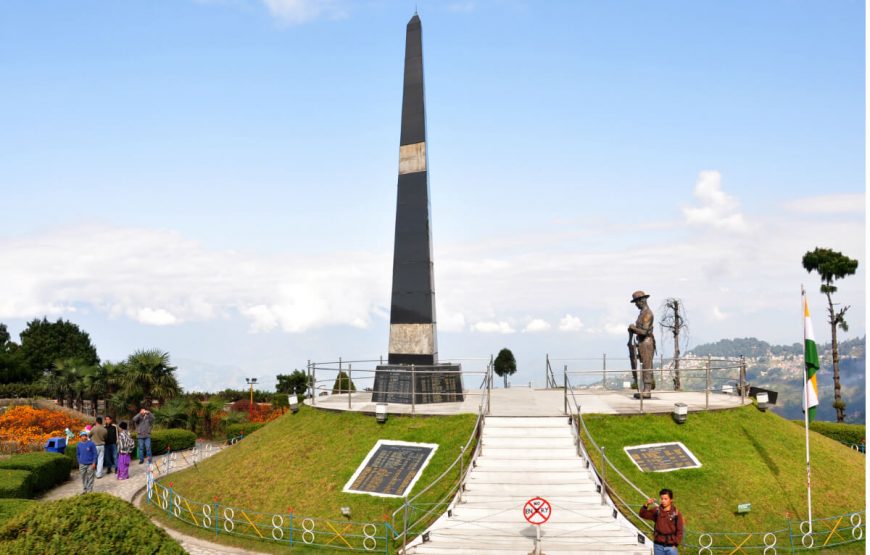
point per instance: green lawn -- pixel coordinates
(747, 457)
(299, 464)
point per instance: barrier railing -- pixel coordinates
(708, 375)
(323, 380)
(415, 514)
(793, 537)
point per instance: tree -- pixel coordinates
(674, 321)
(149, 376)
(832, 265)
(43, 343)
(13, 367)
(343, 384)
(505, 365)
(297, 382)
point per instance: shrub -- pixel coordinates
(47, 469)
(172, 439)
(92, 523)
(22, 390)
(16, 483)
(343, 383)
(70, 454)
(30, 428)
(11, 507)
(844, 433)
(258, 413)
(243, 429)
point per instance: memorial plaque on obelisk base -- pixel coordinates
(413, 337)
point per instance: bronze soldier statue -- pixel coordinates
(642, 343)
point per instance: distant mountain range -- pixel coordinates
(781, 368)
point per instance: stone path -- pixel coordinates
(131, 490)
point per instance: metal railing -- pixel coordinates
(415, 514)
(352, 378)
(794, 536)
(700, 375)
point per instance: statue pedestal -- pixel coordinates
(441, 383)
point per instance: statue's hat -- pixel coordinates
(638, 295)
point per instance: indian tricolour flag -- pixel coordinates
(811, 360)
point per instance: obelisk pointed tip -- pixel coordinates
(415, 19)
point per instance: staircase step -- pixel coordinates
(529, 490)
(529, 443)
(514, 513)
(525, 432)
(531, 465)
(526, 422)
(579, 501)
(463, 535)
(542, 476)
(518, 453)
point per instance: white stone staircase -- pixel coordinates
(521, 458)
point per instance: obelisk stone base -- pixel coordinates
(441, 383)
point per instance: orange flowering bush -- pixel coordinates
(261, 412)
(25, 428)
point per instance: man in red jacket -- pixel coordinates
(669, 523)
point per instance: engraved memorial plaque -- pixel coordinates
(391, 468)
(662, 457)
(434, 384)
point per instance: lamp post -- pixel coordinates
(251, 382)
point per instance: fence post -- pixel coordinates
(461, 472)
(405, 527)
(349, 382)
(707, 389)
(547, 371)
(604, 370)
(313, 383)
(742, 380)
(662, 368)
(413, 391)
(489, 388)
(603, 476)
(565, 387)
(640, 393)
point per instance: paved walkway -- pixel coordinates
(523, 401)
(131, 490)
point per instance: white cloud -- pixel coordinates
(718, 314)
(158, 277)
(462, 7)
(159, 317)
(570, 323)
(844, 203)
(536, 326)
(493, 327)
(616, 329)
(297, 12)
(717, 208)
(450, 321)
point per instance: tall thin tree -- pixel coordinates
(674, 320)
(832, 265)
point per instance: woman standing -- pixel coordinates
(125, 448)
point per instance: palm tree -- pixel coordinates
(149, 376)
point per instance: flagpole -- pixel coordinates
(807, 414)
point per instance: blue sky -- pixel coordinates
(217, 178)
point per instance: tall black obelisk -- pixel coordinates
(413, 337)
(412, 315)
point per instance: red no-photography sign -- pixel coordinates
(537, 510)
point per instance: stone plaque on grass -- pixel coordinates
(662, 457)
(391, 468)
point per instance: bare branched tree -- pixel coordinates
(674, 320)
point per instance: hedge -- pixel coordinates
(16, 484)
(243, 429)
(12, 507)
(844, 433)
(91, 523)
(48, 469)
(174, 438)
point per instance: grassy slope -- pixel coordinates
(747, 457)
(303, 461)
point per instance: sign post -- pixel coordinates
(537, 511)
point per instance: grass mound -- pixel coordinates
(92, 523)
(748, 457)
(302, 462)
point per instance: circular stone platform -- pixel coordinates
(520, 401)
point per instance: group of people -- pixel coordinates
(105, 447)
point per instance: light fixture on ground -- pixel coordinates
(727, 388)
(345, 512)
(762, 399)
(681, 413)
(293, 401)
(381, 412)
